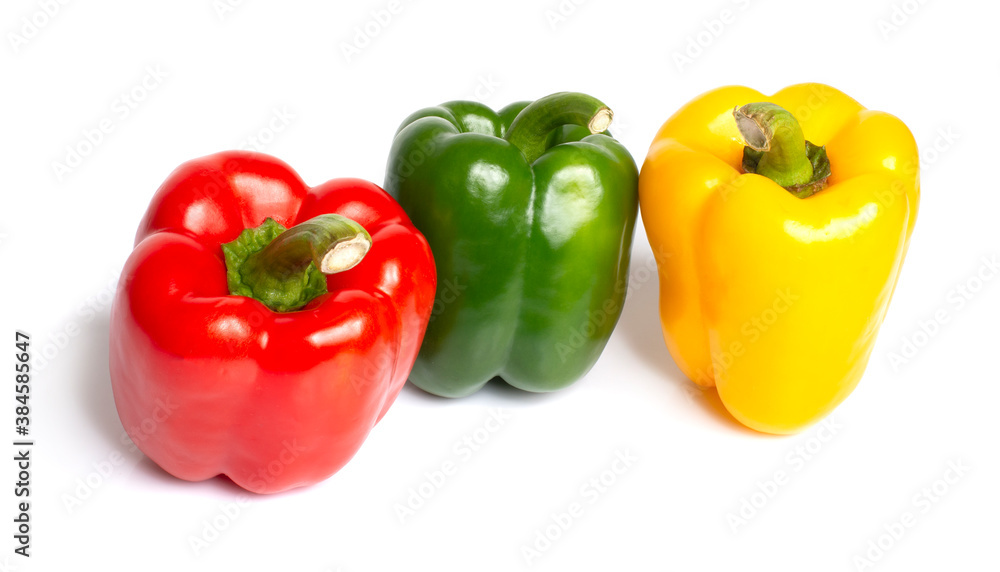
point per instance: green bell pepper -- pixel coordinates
(530, 213)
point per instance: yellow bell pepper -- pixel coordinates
(774, 278)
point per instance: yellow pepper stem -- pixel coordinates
(777, 149)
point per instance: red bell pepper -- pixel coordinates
(207, 382)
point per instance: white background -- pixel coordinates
(231, 75)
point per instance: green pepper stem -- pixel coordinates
(283, 274)
(774, 132)
(530, 129)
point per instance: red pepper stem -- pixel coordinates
(285, 271)
(773, 130)
(530, 129)
(333, 242)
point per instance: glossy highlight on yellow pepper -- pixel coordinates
(773, 299)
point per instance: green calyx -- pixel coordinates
(777, 149)
(286, 269)
(530, 130)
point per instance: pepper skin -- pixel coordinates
(530, 216)
(209, 383)
(773, 299)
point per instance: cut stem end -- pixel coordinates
(345, 255)
(776, 148)
(601, 120)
